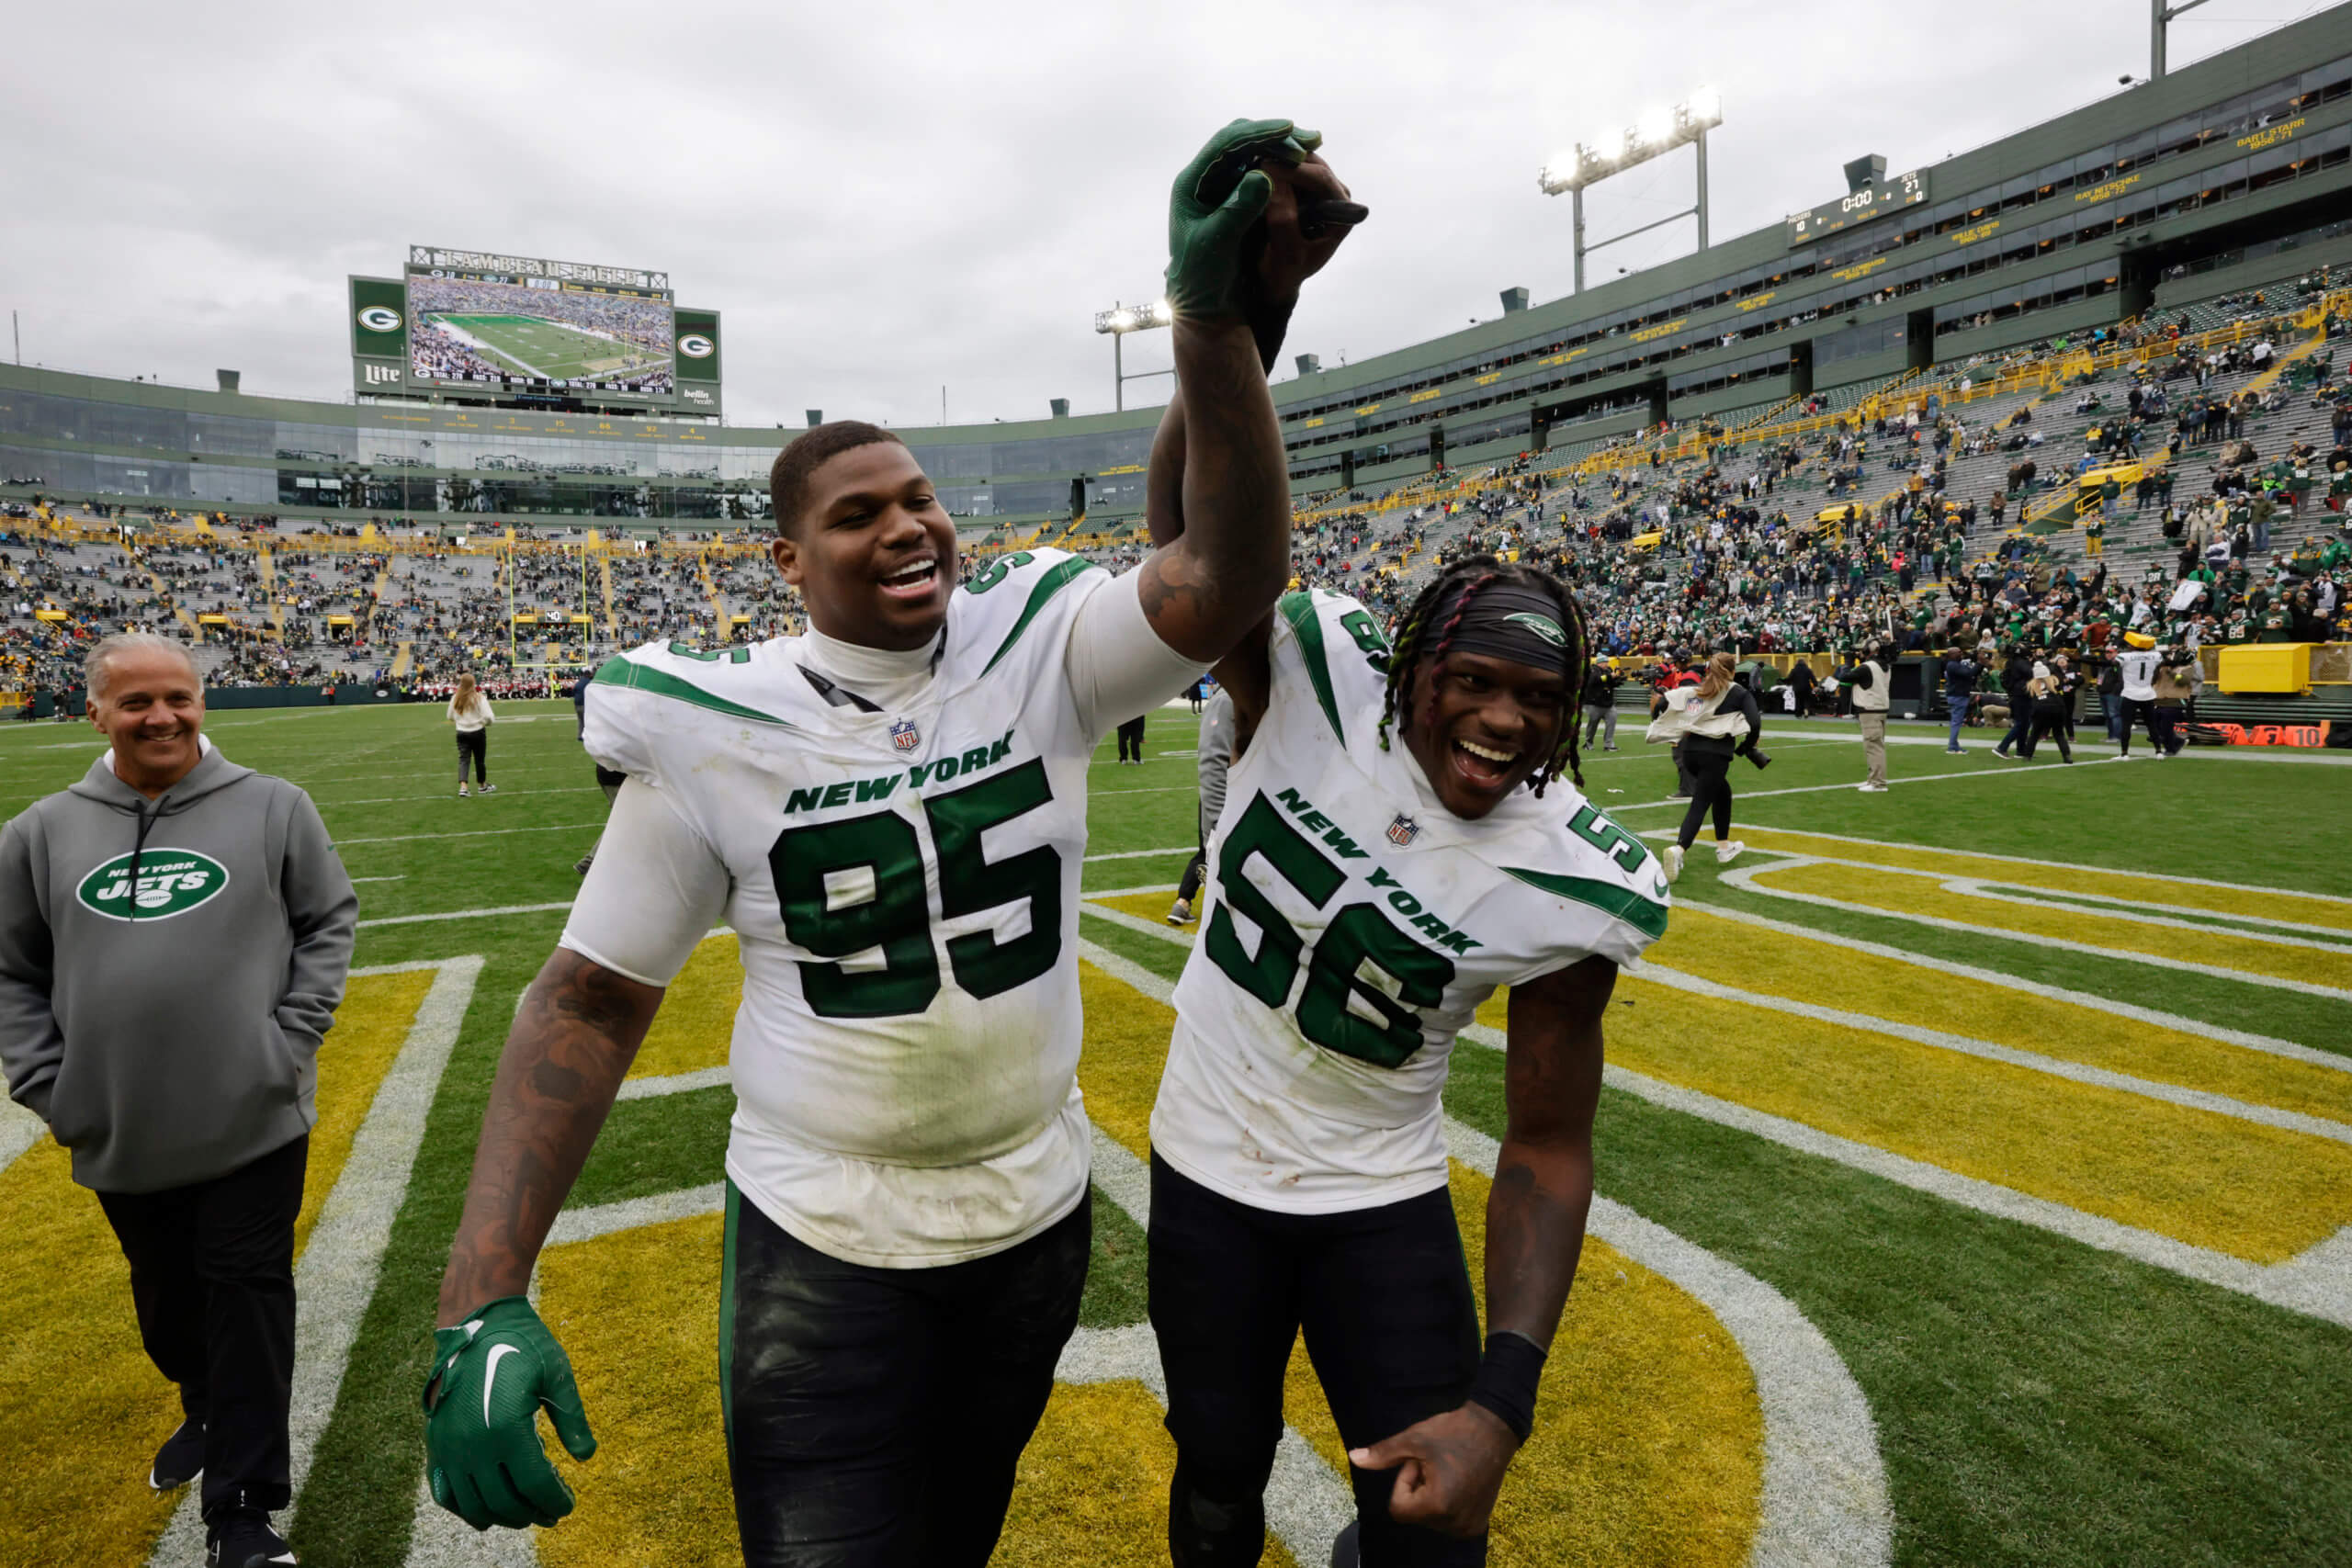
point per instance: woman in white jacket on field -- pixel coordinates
(471, 711)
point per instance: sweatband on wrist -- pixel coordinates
(1507, 1379)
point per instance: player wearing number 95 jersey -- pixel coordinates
(890, 811)
(1400, 838)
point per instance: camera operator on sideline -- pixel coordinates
(1867, 681)
(1702, 720)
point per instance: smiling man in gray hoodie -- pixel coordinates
(174, 932)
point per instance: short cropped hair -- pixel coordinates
(99, 663)
(788, 479)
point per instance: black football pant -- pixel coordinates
(1131, 740)
(213, 1281)
(874, 1416)
(1382, 1295)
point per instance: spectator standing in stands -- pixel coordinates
(175, 934)
(1212, 761)
(1704, 719)
(1131, 741)
(1866, 683)
(1601, 703)
(471, 712)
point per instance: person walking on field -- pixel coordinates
(1214, 759)
(1703, 720)
(1131, 740)
(175, 934)
(1866, 683)
(471, 711)
(1600, 704)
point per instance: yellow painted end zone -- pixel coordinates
(83, 1424)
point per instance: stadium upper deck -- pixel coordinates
(2228, 174)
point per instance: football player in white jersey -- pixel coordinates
(1369, 895)
(891, 813)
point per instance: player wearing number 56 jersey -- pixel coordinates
(1400, 838)
(890, 811)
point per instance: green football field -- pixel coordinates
(1975, 1177)
(530, 346)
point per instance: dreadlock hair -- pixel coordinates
(1417, 640)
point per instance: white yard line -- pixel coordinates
(1824, 1486)
(1816, 789)
(2320, 1288)
(470, 833)
(1966, 1045)
(465, 914)
(2313, 1292)
(20, 1129)
(2046, 864)
(2175, 1022)
(336, 1276)
(1742, 877)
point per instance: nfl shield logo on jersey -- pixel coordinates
(905, 736)
(1401, 831)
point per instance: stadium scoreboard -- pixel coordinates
(1876, 200)
(529, 333)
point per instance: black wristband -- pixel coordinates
(1506, 1380)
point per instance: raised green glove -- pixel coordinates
(482, 1458)
(1217, 198)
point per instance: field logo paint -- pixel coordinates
(380, 319)
(170, 882)
(693, 345)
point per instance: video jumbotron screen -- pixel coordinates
(520, 331)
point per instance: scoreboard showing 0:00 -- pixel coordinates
(1891, 195)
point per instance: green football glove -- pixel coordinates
(1220, 195)
(490, 1374)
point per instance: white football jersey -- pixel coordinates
(1357, 926)
(905, 887)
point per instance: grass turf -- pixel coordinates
(2038, 1402)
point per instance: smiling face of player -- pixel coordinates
(872, 550)
(1481, 726)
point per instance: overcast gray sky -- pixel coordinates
(886, 198)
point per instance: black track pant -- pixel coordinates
(2049, 726)
(1196, 870)
(1131, 740)
(474, 745)
(874, 1416)
(213, 1281)
(1709, 791)
(1384, 1297)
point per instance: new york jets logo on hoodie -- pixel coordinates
(169, 882)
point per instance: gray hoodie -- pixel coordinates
(167, 1030)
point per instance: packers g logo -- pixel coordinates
(693, 345)
(379, 319)
(170, 882)
(1544, 626)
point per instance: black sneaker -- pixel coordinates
(180, 1460)
(240, 1537)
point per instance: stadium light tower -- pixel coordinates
(1121, 319)
(2160, 16)
(1654, 134)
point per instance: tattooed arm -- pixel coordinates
(1450, 1467)
(572, 1043)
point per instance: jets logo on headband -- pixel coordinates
(1542, 625)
